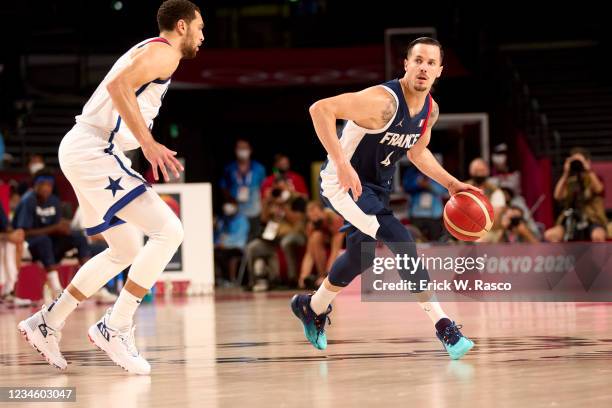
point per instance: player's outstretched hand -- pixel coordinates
(161, 157)
(457, 186)
(348, 178)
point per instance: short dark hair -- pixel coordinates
(428, 41)
(242, 139)
(171, 11)
(280, 156)
(515, 207)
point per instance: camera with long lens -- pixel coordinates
(280, 194)
(515, 221)
(576, 167)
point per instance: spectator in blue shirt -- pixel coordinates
(48, 236)
(231, 234)
(426, 203)
(241, 181)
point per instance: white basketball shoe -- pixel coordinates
(43, 338)
(119, 345)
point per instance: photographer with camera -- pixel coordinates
(323, 245)
(580, 193)
(283, 216)
(480, 177)
(282, 169)
(513, 228)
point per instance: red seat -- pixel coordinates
(32, 277)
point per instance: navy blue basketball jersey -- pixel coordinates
(374, 153)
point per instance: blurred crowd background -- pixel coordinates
(526, 115)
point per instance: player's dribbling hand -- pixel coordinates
(161, 157)
(348, 178)
(457, 186)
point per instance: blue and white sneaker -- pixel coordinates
(119, 345)
(43, 338)
(455, 343)
(314, 326)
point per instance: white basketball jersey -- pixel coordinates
(99, 111)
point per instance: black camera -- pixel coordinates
(317, 225)
(576, 167)
(515, 221)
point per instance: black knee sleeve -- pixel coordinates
(399, 240)
(354, 260)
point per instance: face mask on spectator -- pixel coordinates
(498, 159)
(243, 154)
(34, 167)
(285, 195)
(229, 209)
(479, 179)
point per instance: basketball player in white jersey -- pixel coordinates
(115, 200)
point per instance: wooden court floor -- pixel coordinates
(248, 350)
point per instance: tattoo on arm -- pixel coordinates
(433, 116)
(389, 110)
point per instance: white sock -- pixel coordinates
(53, 281)
(123, 311)
(321, 299)
(59, 310)
(433, 310)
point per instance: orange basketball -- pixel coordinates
(468, 215)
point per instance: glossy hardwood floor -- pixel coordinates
(248, 350)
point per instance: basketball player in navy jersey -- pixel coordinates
(384, 123)
(115, 200)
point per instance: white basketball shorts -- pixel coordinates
(100, 174)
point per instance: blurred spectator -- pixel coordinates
(479, 177)
(35, 163)
(242, 181)
(281, 169)
(11, 251)
(502, 176)
(513, 228)
(231, 233)
(580, 193)
(14, 198)
(323, 245)
(426, 203)
(49, 237)
(284, 217)
(2, 150)
(518, 201)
